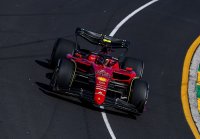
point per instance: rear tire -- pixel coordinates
(135, 64)
(139, 94)
(63, 75)
(61, 48)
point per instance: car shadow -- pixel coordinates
(46, 89)
(49, 75)
(44, 64)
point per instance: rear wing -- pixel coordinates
(100, 39)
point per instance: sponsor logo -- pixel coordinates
(103, 73)
(102, 79)
(100, 93)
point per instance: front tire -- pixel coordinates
(138, 94)
(64, 75)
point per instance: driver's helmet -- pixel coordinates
(100, 60)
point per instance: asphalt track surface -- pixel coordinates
(161, 35)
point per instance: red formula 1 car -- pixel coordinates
(97, 76)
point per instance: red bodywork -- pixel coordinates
(104, 73)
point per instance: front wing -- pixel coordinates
(109, 102)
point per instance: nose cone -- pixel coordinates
(99, 98)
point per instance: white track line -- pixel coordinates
(112, 34)
(131, 15)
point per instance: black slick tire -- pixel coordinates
(64, 75)
(136, 64)
(61, 48)
(138, 95)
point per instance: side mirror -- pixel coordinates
(69, 56)
(129, 68)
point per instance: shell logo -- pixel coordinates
(103, 79)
